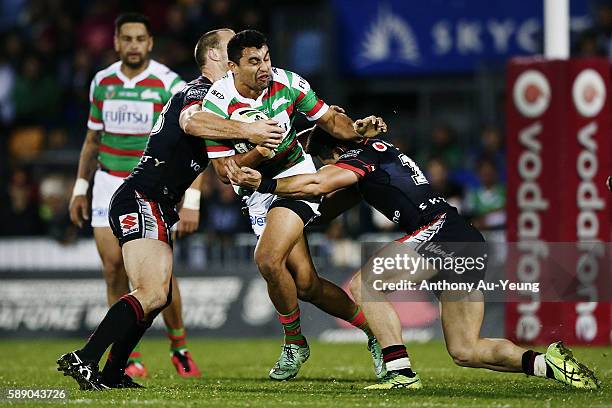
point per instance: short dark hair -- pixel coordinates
(244, 39)
(206, 41)
(321, 144)
(132, 18)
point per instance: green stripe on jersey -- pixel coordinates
(124, 142)
(118, 163)
(214, 108)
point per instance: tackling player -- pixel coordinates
(393, 184)
(126, 99)
(282, 254)
(142, 212)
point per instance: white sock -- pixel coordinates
(399, 364)
(539, 366)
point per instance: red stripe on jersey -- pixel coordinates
(111, 80)
(423, 228)
(213, 149)
(116, 173)
(285, 152)
(98, 103)
(315, 108)
(151, 82)
(276, 86)
(120, 152)
(162, 234)
(127, 134)
(351, 168)
(289, 109)
(189, 105)
(300, 97)
(237, 105)
(95, 120)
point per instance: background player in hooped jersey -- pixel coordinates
(282, 254)
(143, 210)
(126, 99)
(392, 183)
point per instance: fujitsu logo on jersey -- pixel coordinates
(123, 115)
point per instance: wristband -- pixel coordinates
(80, 187)
(267, 186)
(192, 199)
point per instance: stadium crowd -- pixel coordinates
(51, 49)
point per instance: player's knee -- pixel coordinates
(153, 298)
(269, 264)
(462, 354)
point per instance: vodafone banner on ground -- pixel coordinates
(558, 135)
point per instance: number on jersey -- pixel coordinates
(417, 175)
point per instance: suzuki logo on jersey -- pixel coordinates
(127, 117)
(129, 223)
(278, 102)
(149, 94)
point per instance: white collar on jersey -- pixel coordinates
(131, 83)
(258, 101)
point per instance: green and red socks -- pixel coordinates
(292, 328)
(177, 340)
(359, 321)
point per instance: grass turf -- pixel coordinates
(236, 375)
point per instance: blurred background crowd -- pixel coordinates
(51, 49)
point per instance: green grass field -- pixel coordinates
(236, 375)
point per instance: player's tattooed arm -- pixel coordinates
(327, 179)
(208, 125)
(79, 203)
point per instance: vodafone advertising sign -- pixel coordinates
(558, 124)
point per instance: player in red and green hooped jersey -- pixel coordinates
(125, 100)
(282, 254)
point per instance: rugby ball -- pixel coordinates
(247, 115)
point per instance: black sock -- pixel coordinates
(394, 353)
(121, 350)
(528, 362)
(119, 319)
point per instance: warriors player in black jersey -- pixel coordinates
(391, 182)
(142, 212)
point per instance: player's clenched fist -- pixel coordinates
(371, 126)
(242, 176)
(79, 210)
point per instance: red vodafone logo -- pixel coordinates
(589, 93)
(381, 147)
(531, 93)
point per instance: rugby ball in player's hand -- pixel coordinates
(248, 115)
